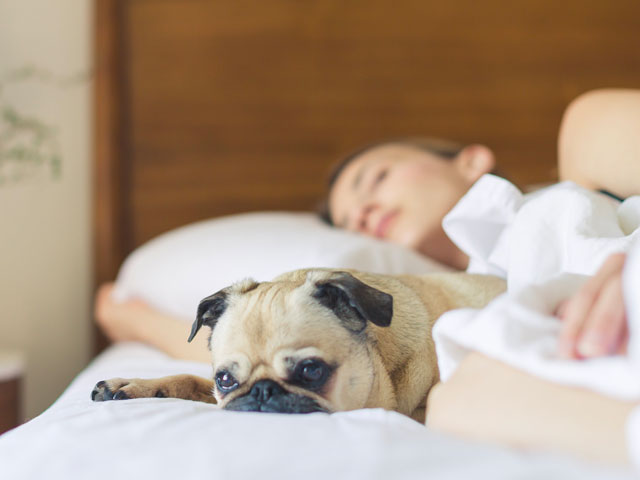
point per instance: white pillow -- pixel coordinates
(176, 270)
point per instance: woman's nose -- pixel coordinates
(363, 218)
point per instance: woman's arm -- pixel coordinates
(487, 400)
(599, 141)
(135, 320)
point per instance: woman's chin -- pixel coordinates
(409, 241)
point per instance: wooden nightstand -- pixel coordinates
(11, 372)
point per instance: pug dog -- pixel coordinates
(320, 340)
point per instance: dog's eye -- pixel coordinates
(226, 382)
(311, 373)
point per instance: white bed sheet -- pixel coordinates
(177, 439)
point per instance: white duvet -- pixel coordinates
(545, 244)
(177, 439)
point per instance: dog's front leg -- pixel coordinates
(188, 387)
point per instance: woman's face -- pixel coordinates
(401, 193)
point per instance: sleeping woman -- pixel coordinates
(401, 191)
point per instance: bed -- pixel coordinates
(210, 109)
(167, 438)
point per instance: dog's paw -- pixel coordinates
(110, 390)
(125, 389)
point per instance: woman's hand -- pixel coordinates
(120, 321)
(594, 318)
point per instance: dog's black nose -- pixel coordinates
(263, 390)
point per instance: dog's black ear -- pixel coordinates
(355, 302)
(209, 310)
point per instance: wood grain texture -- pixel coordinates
(9, 405)
(243, 105)
(227, 107)
(111, 204)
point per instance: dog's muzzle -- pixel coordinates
(267, 396)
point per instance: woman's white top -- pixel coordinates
(544, 244)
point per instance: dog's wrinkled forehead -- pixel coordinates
(290, 288)
(244, 286)
(273, 302)
(255, 302)
(291, 297)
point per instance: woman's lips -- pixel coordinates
(384, 224)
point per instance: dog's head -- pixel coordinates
(300, 344)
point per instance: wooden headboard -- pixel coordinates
(211, 107)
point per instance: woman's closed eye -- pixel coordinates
(380, 176)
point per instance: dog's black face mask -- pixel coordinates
(267, 396)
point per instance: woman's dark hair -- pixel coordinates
(445, 149)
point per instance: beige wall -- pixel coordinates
(44, 220)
